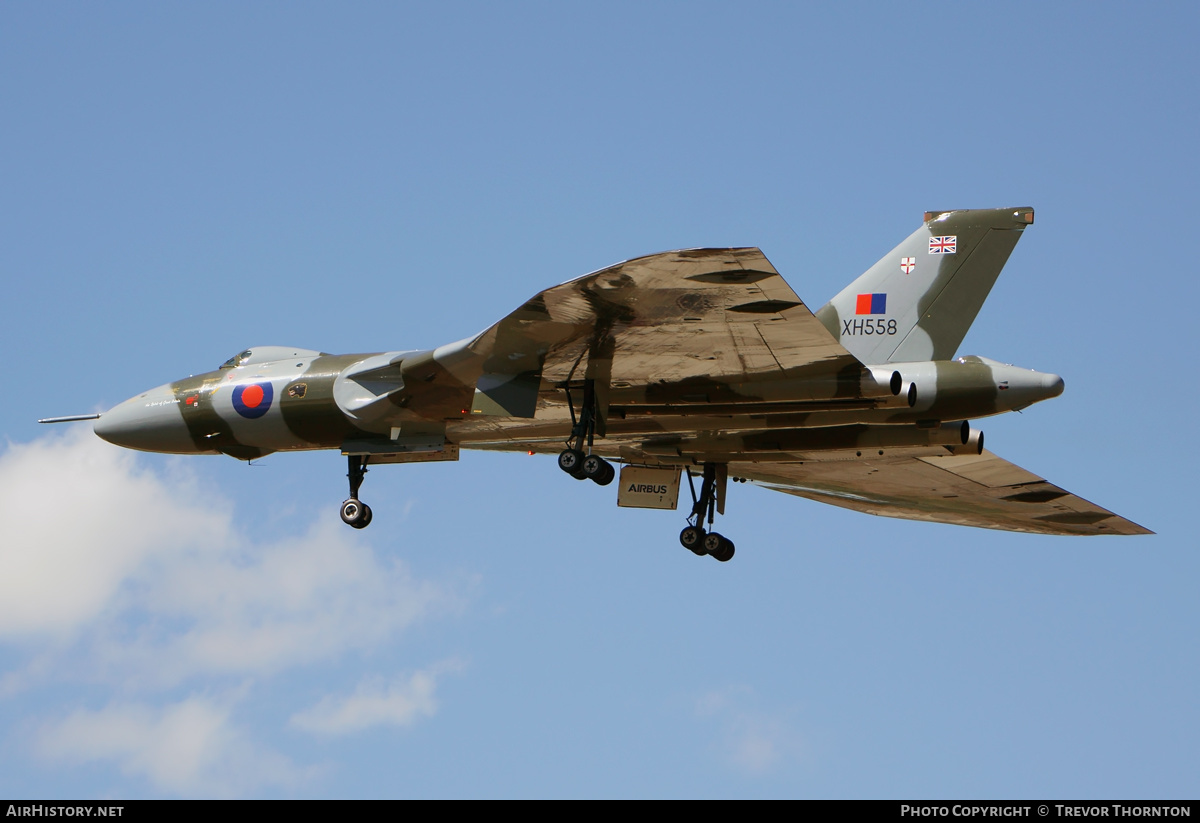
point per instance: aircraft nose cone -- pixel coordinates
(1053, 384)
(149, 422)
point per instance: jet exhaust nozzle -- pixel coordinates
(972, 441)
(881, 381)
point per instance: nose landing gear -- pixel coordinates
(354, 512)
(694, 537)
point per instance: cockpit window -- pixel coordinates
(236, 360)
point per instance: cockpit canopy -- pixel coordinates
(267, 354)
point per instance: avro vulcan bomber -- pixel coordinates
(700, 363)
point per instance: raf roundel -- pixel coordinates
(253, 399)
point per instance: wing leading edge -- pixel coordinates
(982, 490)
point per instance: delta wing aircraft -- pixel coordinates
(702, 363)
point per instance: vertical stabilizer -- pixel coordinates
(919, 300)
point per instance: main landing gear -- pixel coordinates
(584, 466)
(573, 460)
(355, 512)
(694, 537)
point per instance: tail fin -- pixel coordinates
(919, 300)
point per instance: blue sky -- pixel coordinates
(182, 181)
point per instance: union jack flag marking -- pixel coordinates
(907, 264)
(943, 245)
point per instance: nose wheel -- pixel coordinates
(355, 512)
(695, 538)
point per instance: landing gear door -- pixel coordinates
(643, 487)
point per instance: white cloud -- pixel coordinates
(755, 744)
(138, 582)
(220, 604)
(189, 748)
(298, 601)
(376, 703)
(77, 517)
(750, 739)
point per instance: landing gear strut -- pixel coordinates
(354, 512)
(573, 459)
(694, 537)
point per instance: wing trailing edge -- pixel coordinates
(982, 490)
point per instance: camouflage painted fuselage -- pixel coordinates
(685, 358)
(309, 400)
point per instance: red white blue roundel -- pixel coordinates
(253, 399)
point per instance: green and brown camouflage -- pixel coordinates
(694, 357)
